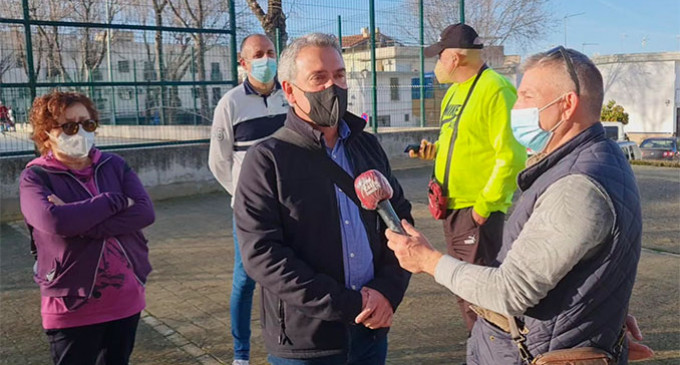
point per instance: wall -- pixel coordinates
(646, 86)
(175, 171)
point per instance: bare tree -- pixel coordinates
(158, 7)
(272, 20)
(498, 22)
(7, 62)
(204, 14)
(91, 44)
(38, 52)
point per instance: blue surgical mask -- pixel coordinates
(526, 127)
(263, 69)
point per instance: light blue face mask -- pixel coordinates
(263, 69)
(526, 127)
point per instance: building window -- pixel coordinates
(126, 93)
(384, 121)
(149, 71)
(124, 66)
(394, 88)
(20, 61)
(97, 75)
(101, 103)
(406, 117)
(215, 73)
(217, 94)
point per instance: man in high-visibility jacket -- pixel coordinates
(477, 159)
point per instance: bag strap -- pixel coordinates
(620, 342)
(337, 174)
(454, 134)
(526, 356)
(519, 340)
(42, 174)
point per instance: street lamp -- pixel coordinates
(564, 19)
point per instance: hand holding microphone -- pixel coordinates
(374, 192)
(411, 248)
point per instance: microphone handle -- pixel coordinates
(389, 216)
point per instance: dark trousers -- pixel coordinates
(366, 347)
(470, 242)
(108, 343)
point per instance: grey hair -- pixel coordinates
(589, 77)
(287, 67)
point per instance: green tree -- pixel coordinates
(613, 112)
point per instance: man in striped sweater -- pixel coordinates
(245, 115)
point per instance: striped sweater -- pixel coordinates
(242, 118)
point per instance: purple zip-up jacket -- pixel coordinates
(70, 238)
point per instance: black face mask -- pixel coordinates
(327, 106)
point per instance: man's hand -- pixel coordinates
(414, 252)
(427, 151)
(55, 200)
(377, 311)
(478, 218)
(636, 351)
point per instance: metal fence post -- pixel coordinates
(134, 78)
(340, 31)
(371, 6)
(193, 79)
(29, 50)
(108, 60)
(462, 11)
(278, 43)
(232, 40)
(423, 121)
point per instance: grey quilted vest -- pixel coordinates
(588, 306)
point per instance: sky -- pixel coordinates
(612, 26)
(595, 27)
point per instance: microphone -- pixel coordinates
(374, 192)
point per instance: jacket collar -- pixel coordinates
(527, 177)
(250, 90)
(305, 129)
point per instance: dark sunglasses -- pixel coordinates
(570, 66)
(71, 128)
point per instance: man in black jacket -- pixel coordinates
(329, 284)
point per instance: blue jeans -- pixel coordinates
(240, 305)
(365, 348)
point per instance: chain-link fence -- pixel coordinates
(392, 93)
(155, 69)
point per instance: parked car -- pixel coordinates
(660, 148)
(630, 150)
(614, 131)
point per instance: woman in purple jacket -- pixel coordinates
(85, 209)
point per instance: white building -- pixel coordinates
(131, 61)
(647, 85)
(398, 79)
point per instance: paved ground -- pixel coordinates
(186, 320)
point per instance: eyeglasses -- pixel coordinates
(570, 66)
(71, 128)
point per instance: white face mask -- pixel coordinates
(526, 127)
(77, 145)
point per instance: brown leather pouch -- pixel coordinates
(575, 356)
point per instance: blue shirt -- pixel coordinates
(356, 250)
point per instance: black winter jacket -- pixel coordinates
(288, 228)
